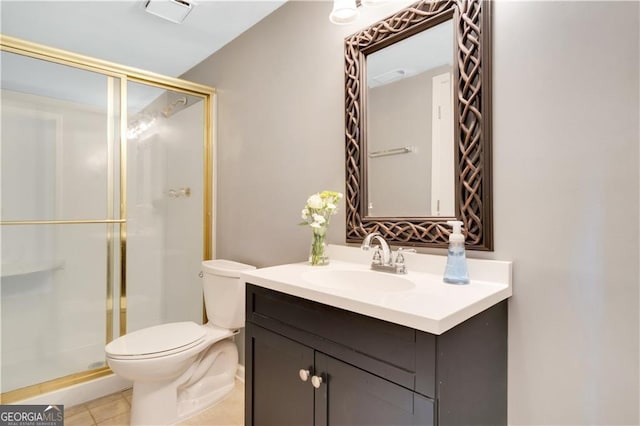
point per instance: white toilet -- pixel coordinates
(180, 368)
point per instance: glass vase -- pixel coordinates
(318, 254)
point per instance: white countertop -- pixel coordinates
(430, 306)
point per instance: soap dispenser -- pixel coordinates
(456, 270)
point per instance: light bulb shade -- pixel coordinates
(344, 12)
(373, 3)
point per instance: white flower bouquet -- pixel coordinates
(317, 213)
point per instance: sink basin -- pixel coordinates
(358, 280)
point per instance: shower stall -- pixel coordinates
(105, 210)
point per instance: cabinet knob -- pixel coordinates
(304, 374)
(316, 381)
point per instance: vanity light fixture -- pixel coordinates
(344, 12)
(373, 3)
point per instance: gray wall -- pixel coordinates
(566, 182)
(280, 130)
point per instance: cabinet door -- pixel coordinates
(275, 393)
(349, 396)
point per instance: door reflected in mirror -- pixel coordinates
(410, 126)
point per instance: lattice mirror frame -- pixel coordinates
(472, 112)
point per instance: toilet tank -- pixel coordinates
(224, 293)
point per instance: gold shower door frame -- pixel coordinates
(125, 74)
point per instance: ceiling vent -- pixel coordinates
(171, 10)
(388, 77)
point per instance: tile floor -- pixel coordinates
(113, 410)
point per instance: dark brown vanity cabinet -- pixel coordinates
(282, 398)
(345, 395)
(312, 364)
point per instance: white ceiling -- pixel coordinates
(121, 31)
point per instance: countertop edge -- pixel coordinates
(429, 325)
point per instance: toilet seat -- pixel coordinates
(158, 341)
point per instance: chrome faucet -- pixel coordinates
(384, 262)
(386, 250)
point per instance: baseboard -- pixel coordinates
(240, 373)
(82, 392)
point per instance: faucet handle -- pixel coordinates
(400, 256)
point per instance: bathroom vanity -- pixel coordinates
(323, 348)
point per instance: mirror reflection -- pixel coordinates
(410, 126)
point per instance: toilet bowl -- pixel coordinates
(181, 368)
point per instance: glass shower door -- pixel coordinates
(165, 194)
(60, 173)
(105, 211)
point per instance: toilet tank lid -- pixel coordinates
(225, 268)
(156, 339)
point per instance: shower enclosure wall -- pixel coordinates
(105, 214)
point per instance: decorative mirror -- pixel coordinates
(418, 125)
